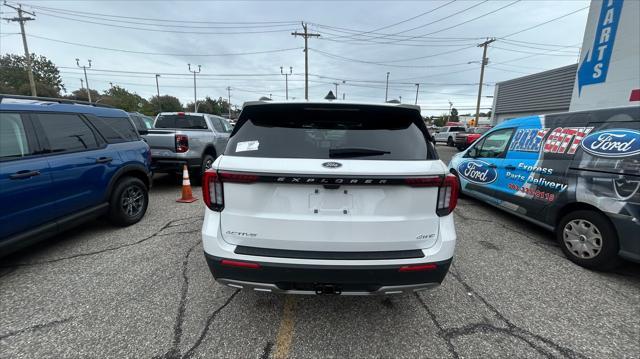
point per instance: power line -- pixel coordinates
(163, 30)
(543, 23)
(432, 22)
(397, 23)
(390, 63)
(534, 53)
(137, 22)
(169, 20)
(467, 21)
(165, 54)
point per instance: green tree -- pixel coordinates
(119, 97)
(440, 121)
(215, 107)
(454, 115)
(167, 103)
(15, 80)
(81, 95)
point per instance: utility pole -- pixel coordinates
(81, 84)
(195, 96)
(86, 80)
(336, 84)
(158, 92)
(306, 35)
(286, 80)
(386, 91)
(400, 99)
(485, 61)
(21, 19)
(111, 84)
(229, 92)
(417, 89)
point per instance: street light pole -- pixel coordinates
(86, 80)
(229, 92)
(158, 94)
(195, 96)
(417, 89)
(286, 80)
(386, 91)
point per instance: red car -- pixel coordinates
(465, 139)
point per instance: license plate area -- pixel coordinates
(330, 201)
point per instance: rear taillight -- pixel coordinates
(447, 195)
(447, 190)
(212, 191)
(182, 143)
(212, 186)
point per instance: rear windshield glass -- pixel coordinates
(181, 121)
(329, 133)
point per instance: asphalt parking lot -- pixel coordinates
(145, 291)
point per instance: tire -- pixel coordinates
(450, 142)
(207, 161)
(591, 241)
(128, 202)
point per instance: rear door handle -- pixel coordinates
(510, 168)
(104, 160)
(24, 174)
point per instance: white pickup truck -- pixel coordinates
(448, 134)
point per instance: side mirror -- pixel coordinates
(473, 152)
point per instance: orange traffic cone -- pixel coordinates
(187, 195)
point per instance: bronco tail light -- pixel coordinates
(182, 143)
(212, 191)
(447, 195)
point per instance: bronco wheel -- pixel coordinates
(588, 239)
(129, 201)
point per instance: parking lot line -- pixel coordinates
(285, 333)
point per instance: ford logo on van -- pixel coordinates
(477, 171)
(615, 142)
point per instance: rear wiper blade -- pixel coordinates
(355, 152)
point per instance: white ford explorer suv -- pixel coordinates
(329, 198)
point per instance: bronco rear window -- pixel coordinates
(330, 132)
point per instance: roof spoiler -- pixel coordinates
(402, 105)
(53, 99)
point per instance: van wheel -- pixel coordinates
(588, 239)
(450, 142)
(129, 201)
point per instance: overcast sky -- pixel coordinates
(426, 42)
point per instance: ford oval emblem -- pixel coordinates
(477, 171)
(616, 142)
(332, 164)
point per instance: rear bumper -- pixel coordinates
(321, 279)
(173, 165)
